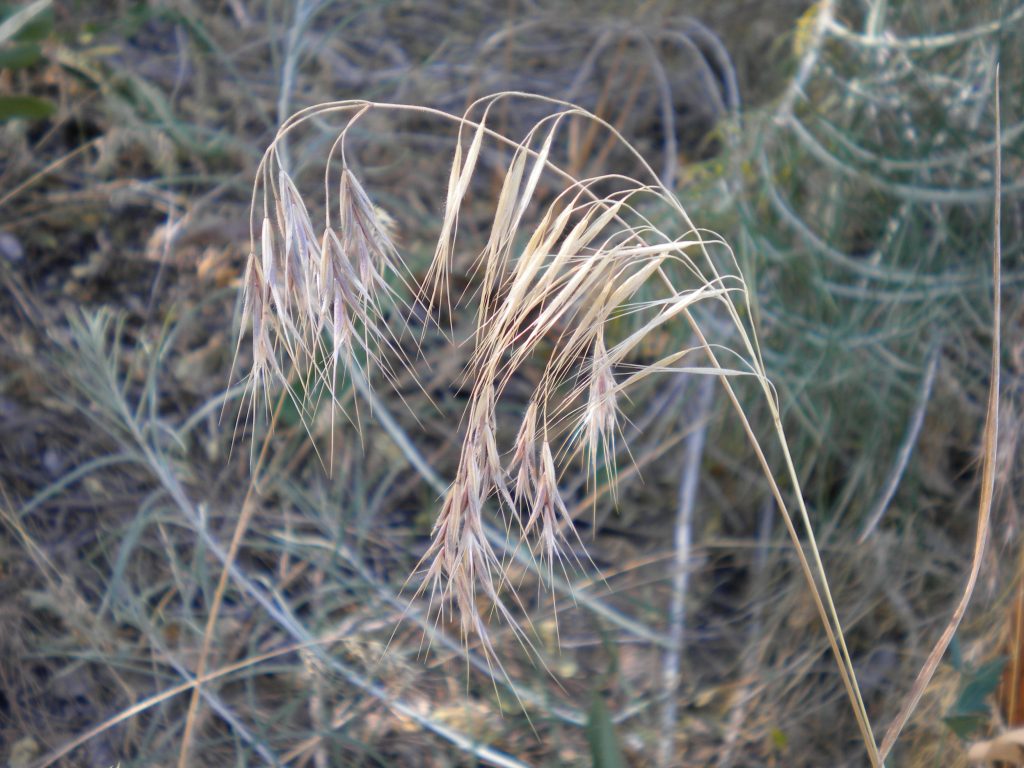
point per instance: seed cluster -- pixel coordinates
(592, 262)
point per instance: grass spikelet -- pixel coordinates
(524, 459)
(601, 413)
(366, 238)
(548, 514)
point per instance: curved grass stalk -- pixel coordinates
(990, 439)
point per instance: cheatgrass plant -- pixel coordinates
(575, 276)
(150, 566)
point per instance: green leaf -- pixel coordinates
(965, 726)
(981, 683)
(38, 28)
(779, 739)
(604, 744)
(19, 56)
(25, 108)
(28, 23)
(956, 656)
(970, 713)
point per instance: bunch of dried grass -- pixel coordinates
(605, 254)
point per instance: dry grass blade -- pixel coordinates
(1011, 686)
(159, 698)
(22, 17)
(990, 439)
(820, 594)
(458, 185)
(241, 526)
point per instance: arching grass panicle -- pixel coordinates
(574, 278)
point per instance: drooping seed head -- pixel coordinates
(524, 459)
(600, 415)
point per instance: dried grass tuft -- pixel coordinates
(578, 287)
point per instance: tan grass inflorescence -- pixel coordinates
(575, 273)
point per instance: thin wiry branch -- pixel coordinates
(694, 453)
(906, 447)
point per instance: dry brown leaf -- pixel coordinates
(1009, 747)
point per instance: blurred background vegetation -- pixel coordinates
(845, 150)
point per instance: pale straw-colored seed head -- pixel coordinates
(549, 288)
(370, 233)
(524, 459)
(460, 565)
(319, 302)
(256, 311)
(299, 255)
(548, 512)
(600, 414)
(551, 278)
